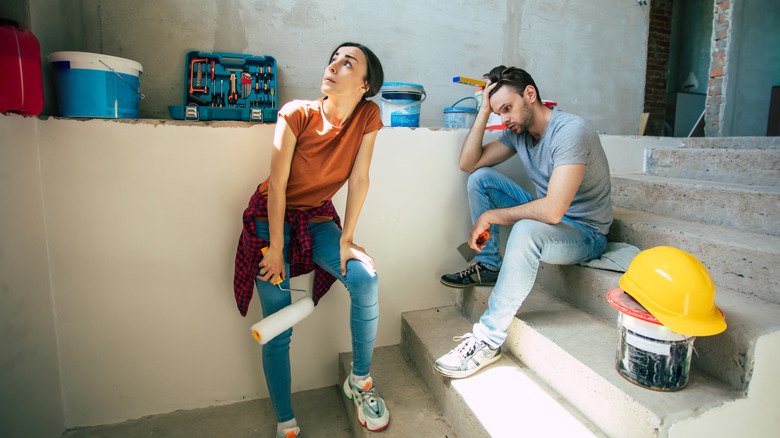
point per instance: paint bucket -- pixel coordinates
(95, 85)
(400, 103)
(649, 354)
(459, 116)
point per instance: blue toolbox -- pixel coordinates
(228, 86)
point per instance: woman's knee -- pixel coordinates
(361, 279)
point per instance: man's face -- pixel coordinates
(516, 113)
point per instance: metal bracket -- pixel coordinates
(191, 113)
(256, 115)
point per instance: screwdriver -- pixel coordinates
(213, 85)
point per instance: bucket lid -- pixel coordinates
(460, 109)
(625, 303)
(97, 61)
(401, 86)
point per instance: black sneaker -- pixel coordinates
(467, 358)
(475, 275)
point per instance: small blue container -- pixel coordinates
(95, 85)
(400, 104)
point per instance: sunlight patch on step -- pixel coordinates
(509, 403)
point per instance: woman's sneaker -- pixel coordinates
(467, 358)
(293, 432)
(475, 275)
(371, 410)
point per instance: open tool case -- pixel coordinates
(227, 86)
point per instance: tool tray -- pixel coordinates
(243, 88)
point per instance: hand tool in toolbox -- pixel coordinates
(247, 88)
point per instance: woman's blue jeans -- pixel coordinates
(529, 242)
(361, 282)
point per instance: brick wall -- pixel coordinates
(721, 36)
(658, 42)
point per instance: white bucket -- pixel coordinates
(459, 116)
(649, 354)
(400, 104)
(96, 85)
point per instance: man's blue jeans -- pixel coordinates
(530, 241)
(362, 284)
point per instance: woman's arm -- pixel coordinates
(272, 265)
(356, 195)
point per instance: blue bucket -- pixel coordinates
(400, 104)
(95, 85)
(460, 116)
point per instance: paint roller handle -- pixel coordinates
(279, 278)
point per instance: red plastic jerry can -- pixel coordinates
(21, 83)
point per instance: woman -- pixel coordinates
(318, 146)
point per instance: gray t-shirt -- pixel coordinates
(569, 139)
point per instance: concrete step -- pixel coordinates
(574, 353)
(759, 167)
(749, 208)
(504, 400)
(740, 260)
(724, 142)
(413, 410)
(728, 356)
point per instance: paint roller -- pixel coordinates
(270, 327)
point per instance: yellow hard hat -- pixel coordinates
(675, 288)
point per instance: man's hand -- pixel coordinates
(481, 225)
(486, 97)
(351, 251)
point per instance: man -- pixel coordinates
(566, 223)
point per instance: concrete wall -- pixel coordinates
(116, 261)
(562, 44)
(754, 67)
(30, 389)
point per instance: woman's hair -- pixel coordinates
(514, 77)
(374, 73)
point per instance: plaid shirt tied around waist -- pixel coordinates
(248, 254)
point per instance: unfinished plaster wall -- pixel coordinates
(428, 43)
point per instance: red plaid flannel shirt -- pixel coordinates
(248, 254)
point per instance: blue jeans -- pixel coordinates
(530, 241)
(362, 284)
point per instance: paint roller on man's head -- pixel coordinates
(274, 324)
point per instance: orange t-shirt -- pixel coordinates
(324, 154)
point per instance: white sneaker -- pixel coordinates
(371, 410)
(292, 432)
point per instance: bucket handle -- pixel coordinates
(123, 79)
(465, 98)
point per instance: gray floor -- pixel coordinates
(325, 418)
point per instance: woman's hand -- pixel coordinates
(272, 266)
(351, 251)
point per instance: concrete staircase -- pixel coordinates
(715, 198)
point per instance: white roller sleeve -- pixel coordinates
(268, 328)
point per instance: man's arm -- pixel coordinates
(473, 154)
(564, 183)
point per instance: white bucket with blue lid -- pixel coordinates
(96, 85)
(460, 116)
(400, 103)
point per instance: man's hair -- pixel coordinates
(374, 73)
(514, 77)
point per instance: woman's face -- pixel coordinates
(345, 74)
